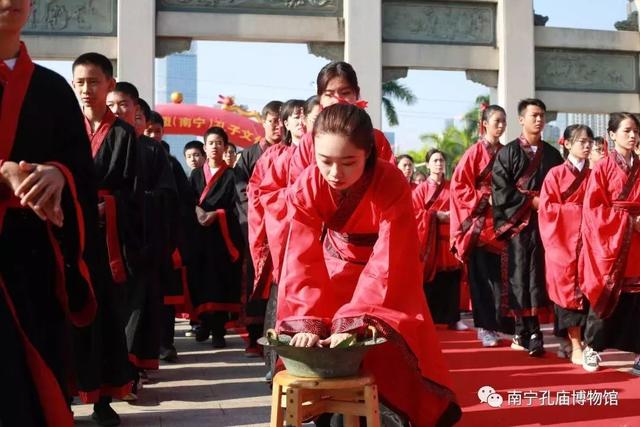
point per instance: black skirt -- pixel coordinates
(443, 297)
(567, 318)
(619, 331)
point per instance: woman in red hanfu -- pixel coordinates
(560, 215)
(352, 261)
(611, 247)
(473, 238)
(441, 269)
(599, 151)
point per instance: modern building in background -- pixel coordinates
(177, 73)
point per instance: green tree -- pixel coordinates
(472, 117)
(399, 92)
(453, 142)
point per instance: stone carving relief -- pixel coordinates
(439, 22)
(84, 17)
(573, 70)
(288, 7)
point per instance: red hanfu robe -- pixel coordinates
(559, 216)
(305, 155)
(268, 228)
(611, 247)
(471, 217)
(353, 261)
(429, 198)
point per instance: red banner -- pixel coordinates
(189, 119)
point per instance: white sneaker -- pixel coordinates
(590, 360)
(458, 326)
(490, 339)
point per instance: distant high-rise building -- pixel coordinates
(551, 134)
(597, 122)
(178, 73)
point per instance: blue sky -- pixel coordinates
(257, 72)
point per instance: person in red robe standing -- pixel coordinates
(441, 269)
(560, 215)
(473, 238)
(406, 164)
(352, 261)
(599, 151)
(611, 246)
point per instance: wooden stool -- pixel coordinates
(304, 398)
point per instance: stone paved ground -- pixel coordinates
(206, 388)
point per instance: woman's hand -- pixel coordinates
(636, 224)
(335, 339)
(41, 190)
(205, 218)
(535, 202)
(305, 339)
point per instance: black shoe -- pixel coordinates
(169, 354)
(104, 415)
(218, 342)
(202, 334)
(520, 342)
(536, 348)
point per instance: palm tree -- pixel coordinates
(399, 92)
(453, 142)
(472, 117)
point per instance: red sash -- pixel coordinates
(16, 83)
(116, 262)
(211, 180)
(97, 138)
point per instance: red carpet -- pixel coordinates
(611, 397)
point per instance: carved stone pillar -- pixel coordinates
(363, 50)
(516, 78)
(137, 45)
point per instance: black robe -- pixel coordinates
(516, 222)
(103, 368)
(49, 129)
(214, 276)
(253, 311)
(155, 189)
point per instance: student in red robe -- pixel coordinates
(48, 222)
(406, 164)
(473, 238)
(560, 215)
(253, 311)
(108, 373)
(441, 269)
(352, 261)
(518, 172)
(217, 264)
(336, 82)
(599, 151)
(312, 108)
(611, 246)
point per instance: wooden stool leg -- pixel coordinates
(277, 417)
(294, 408)
(351, 420)
(372, 405)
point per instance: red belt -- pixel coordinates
(116, 263)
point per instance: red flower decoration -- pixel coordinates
(360, 103)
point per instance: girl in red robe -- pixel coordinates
(473, 238)
(441, 268)
(611, 246)
(599, 151)
(559, 215)
(352, 260)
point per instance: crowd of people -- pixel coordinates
(317, 230)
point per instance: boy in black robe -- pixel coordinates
(107, 373)
(218, 246)
(155, 190)
(183, 224)
(47, 216)
(518, 173)
(253, 311)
